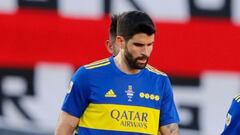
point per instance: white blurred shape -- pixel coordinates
(162, 10)
(235, 11)
(14, 85)
(8, 6)
(51, 81)
(219, 90)
(210, 4)
(186, 116)
(80, 8)
(213, 98)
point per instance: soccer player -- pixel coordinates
(110, 44)
(121, 95)
(232, 126)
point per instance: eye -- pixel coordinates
(151, 44)
(138, 44)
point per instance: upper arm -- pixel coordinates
(66, 124)
(168, 108)
(170, 129)
(169, 115)
(76, 99)
(75, 102)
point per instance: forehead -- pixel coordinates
(142, 38)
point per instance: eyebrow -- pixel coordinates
(139, 44)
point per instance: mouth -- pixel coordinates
(142, 61)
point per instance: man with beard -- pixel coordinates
(121, 95)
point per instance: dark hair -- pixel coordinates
(113, 28)
(134, 22)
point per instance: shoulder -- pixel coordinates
(155, 71)
(85, 70)
(234, 109)
(161, 77)
(97, 64)
(235, 103)
(237, 99)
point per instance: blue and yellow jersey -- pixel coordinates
(111, 102)
(232, 126)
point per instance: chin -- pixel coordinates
(141, 66)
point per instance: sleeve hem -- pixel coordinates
(71, 113)
(168, 122)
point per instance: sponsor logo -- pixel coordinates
(131, 119)
(110, 93)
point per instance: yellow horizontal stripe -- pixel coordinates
(154, 70)
(97, 62)
(237, 97)
(121, 118)
(238, 100)
(100, 65)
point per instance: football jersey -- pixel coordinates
(111, 102)
(232, 126)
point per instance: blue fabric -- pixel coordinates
(234, 116)
(91, 85)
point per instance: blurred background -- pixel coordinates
(42, 42)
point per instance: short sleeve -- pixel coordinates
(232, 125)
(76, 99)
(168, 109)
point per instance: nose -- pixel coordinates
(146, 50)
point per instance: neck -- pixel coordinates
(122, 64)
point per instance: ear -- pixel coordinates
(109, 46)
(120, 41)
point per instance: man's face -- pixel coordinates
(138, 49)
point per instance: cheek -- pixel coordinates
(151, 49)
(136, 52)
(130, 49)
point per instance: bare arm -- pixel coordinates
(171, 129)
(66, 124)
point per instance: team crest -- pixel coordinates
(129, 93)
(69, 88)
(228, 119)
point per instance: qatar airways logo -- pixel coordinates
(131, 119)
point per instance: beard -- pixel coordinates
(133, 62)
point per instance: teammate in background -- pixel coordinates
(121, 95)
(111, 45)
(232, 126)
